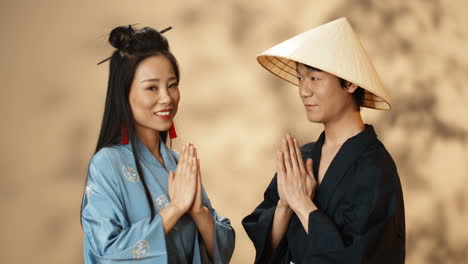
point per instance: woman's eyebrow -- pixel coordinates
(157, 79)
(151, 80)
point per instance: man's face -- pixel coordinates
(324, 99)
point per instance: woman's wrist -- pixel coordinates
(174, 209)
(199, 213)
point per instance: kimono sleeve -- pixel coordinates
(224, 237)
(258, 227)
(109, 238)
(369, 231)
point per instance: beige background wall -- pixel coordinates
(52, 97)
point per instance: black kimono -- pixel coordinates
(360, 216)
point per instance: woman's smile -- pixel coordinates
(164, 114)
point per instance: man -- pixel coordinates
(339, 199)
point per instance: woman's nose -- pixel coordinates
(164, 97)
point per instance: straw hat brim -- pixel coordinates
(345, 59)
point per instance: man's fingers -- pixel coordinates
(292, 154)
(299, 155)
(286, 157)
(280, 170)
(309, 166)
(280, 163)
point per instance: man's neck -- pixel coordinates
(340, 130)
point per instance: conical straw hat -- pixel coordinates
(334, 48)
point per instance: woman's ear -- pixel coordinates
(351, 87)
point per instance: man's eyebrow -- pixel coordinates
(309, 68)
(297, 70)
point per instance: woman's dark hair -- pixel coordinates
(132, 46)
(358, 94)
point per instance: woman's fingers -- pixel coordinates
(185, 152)
(193, 171)
(171, 181)
(198, 174)
(189, 164)
(197, 162)
(189, 160)
(182, 160)
(171, 176)
(183, 184)
(198, 169)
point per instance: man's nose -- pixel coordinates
(305, 90)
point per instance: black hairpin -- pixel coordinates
(165, 30)
(160, 32)
(104, 60)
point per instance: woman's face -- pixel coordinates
(324, 98)
(154, 94)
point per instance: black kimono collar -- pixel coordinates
(349, 152)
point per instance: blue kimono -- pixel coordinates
(116, 215)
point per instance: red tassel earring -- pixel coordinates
(124, 135)
(172, 132)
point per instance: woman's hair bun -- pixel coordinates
(121, 37)
(133, 41)
(150, 39)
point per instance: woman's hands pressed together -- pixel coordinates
(197, 206)
(182, 184)
(182, 187)
(296, 182)
(185, 191)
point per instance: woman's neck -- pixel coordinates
(149, 138)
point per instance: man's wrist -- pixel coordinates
(305, 208)
(283, 207)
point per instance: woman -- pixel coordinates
(339, 199)
(143, 203)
